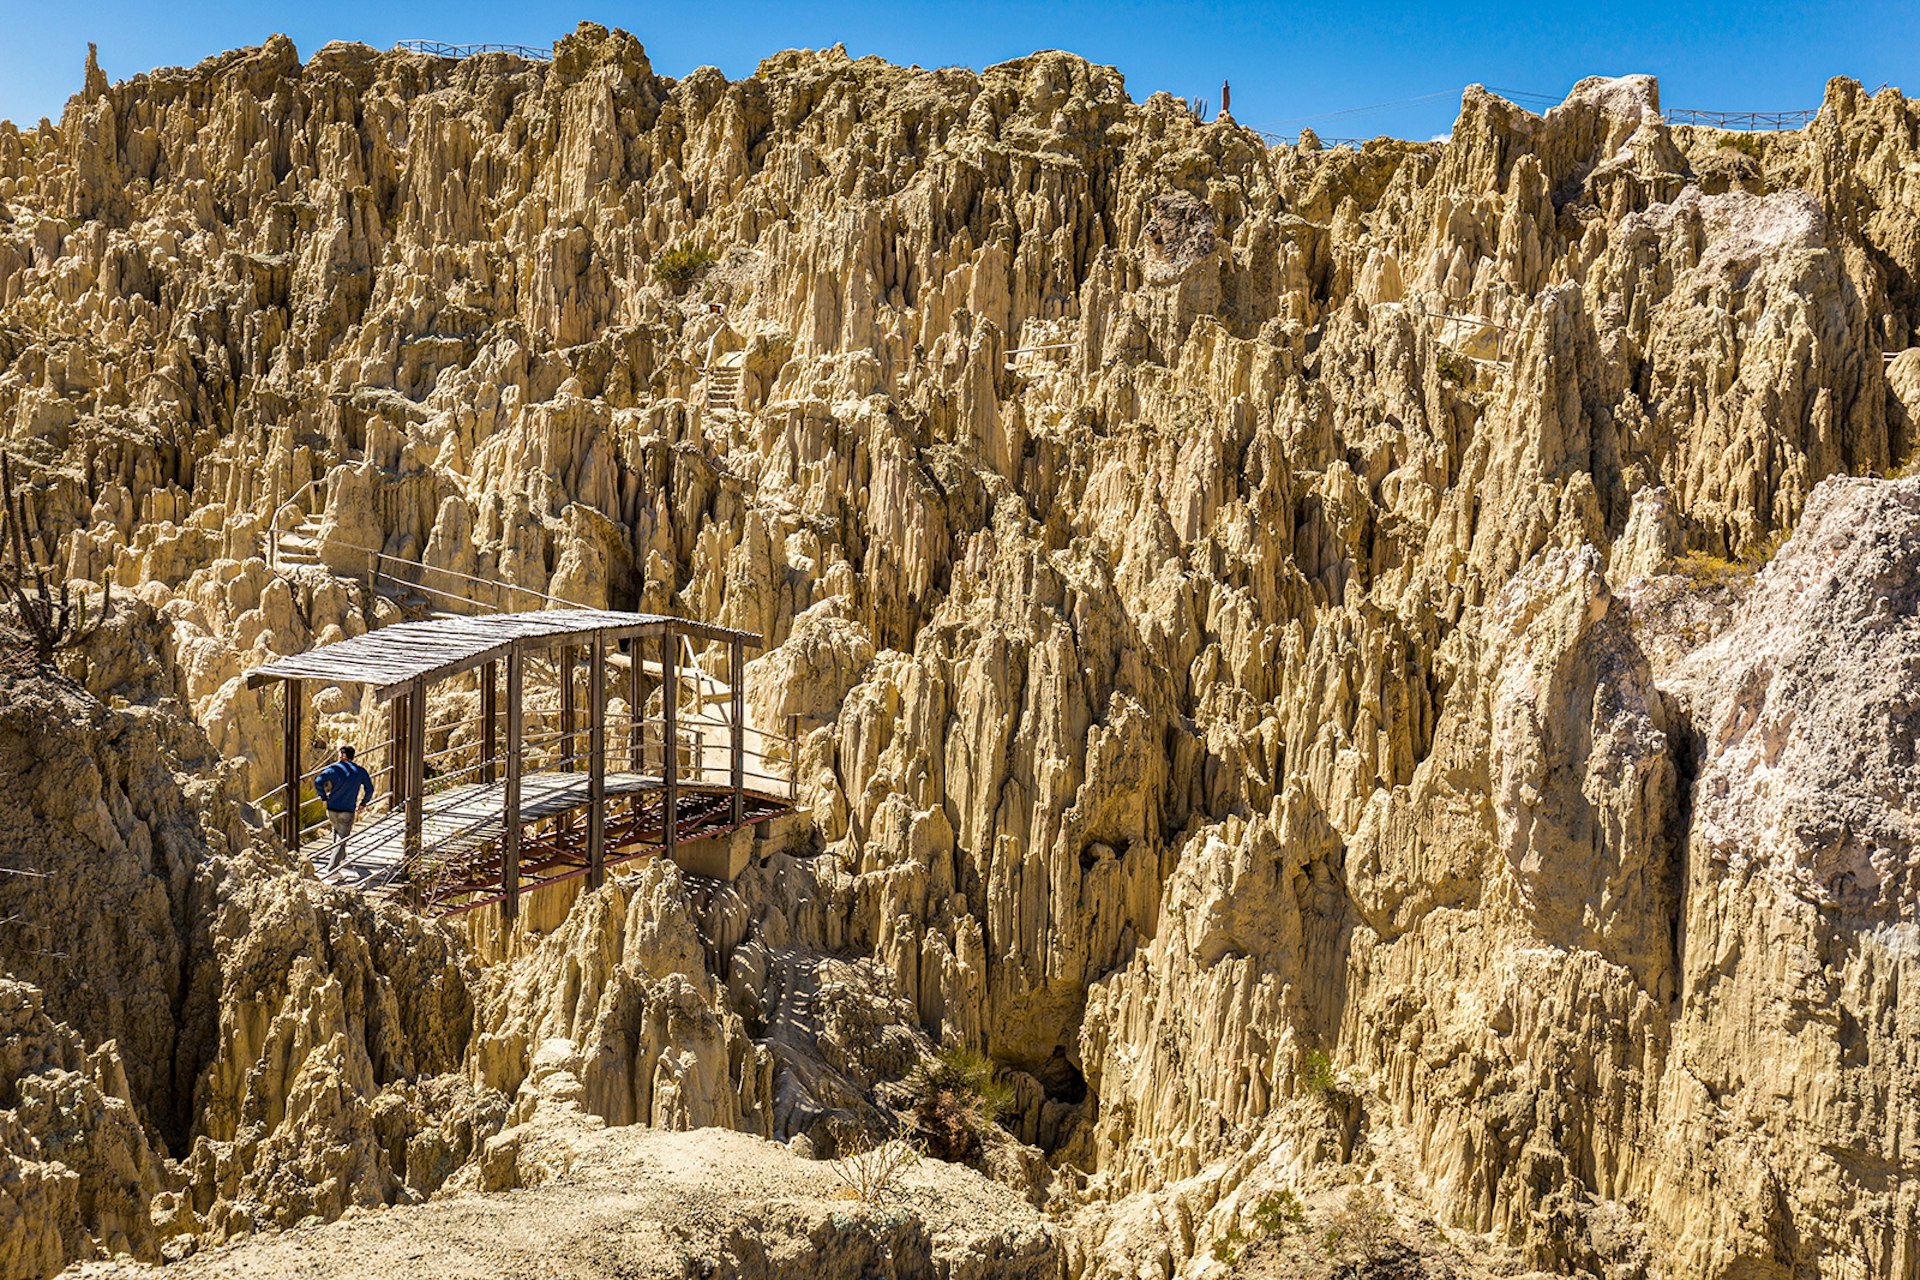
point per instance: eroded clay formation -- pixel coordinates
(1386, 666)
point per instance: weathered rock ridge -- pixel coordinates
(1279, 636)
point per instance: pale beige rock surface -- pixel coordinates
(643, 1204)
(1274, 630)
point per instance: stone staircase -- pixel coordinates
(299, 545)
(723, 387)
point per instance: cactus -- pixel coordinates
(52, 617)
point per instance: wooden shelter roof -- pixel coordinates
(391, 657)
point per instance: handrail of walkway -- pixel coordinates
(1293, 139)
(1748, 121)
(690, 731)
(442, 49)
(494, 583)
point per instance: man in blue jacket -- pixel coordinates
(341, 786)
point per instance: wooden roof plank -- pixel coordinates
(444, 647)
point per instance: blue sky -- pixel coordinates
(1290, 64)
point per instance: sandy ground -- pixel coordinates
(643, 1204)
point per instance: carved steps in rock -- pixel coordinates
(723, 387)
(299, 545)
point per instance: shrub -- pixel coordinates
(1360, 1232)
(1319, 1076)
(1762, 550)
(1273, 1215)
(1455, 368)
(1276, 1211)
(956, 1101)
(1227, 1248)
(680, 264)
(870, 1171)
(1709, 571)
(1716, 571)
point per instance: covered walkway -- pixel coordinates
(530, 785)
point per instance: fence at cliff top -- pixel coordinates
(1744, 121)
(441, 49)
(1293, 140)
(1749, 121)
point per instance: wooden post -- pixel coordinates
(569, 712)
(736, 659)
(636, 727)
(669, 738)
(489, 719)
(510, 832)
(568, 666)
(793, 758)
(569, 722)
(638, 710)
(596, 760)
(290, 695)
(416, 752)
(397, 752)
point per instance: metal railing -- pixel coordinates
(702, 758)
(1507, 341)
(442, 49)
(1293, 139)
(380, 558)
(1743, 121)
(1747, 121)
(378, 563)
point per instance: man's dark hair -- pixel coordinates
(347, 752)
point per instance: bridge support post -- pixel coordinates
(596, 760)
(397, 752)
(669, 739)
(290, 695)
(569, 705)
(637, 710)
(510, 830)
(489, 720)
(735, 660)
(636, 729)
(569, 724)
(416, 753)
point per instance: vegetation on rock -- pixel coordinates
(955, 1102)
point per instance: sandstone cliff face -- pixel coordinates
(204, 1042)
(1227, 593)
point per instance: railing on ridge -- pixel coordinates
(442, 49)
(1748, 121)
(1293, 140)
